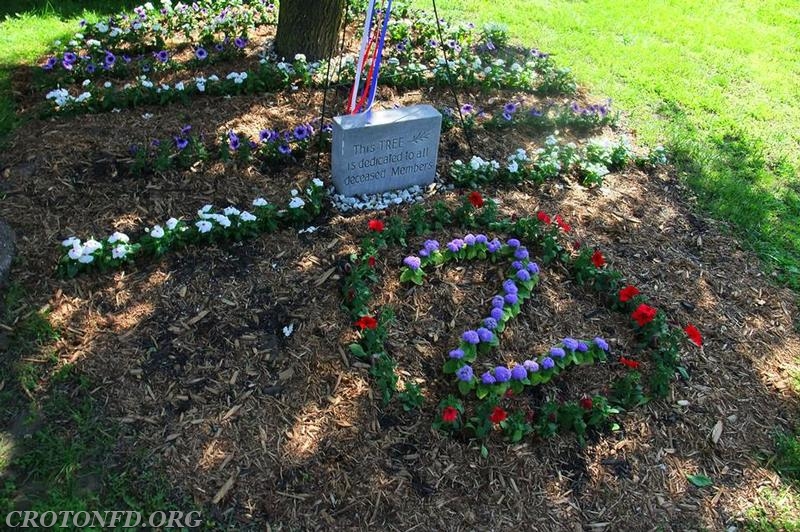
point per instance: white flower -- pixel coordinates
(203, 212)
(247, 217)
(260, 202)
(179, 86)
(516, 67)
(476, 163)
(231, 211)
(294, 192)
(118, 237)
(75, 253)
(521, 155)
(317, 181)
(83, 97)
(71, 242)
(224, 221)
(115, 32)
(93, 43)
(172, 223)
(296, 203)
(85, 259)
(213, 77)
(147, 116)
(203, 226)
(102, 27)
(513, 167)
(86, 83)
(119, 252)
(300, 57)
(147, 84)
(157, 231)
(61, 96)
(107, 84)
(137, 25)
(91, 245)
(310, 229)
(148, 6)
(288, 330)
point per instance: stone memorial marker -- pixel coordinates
(384, 150)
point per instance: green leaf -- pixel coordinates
(482, 391)
(358, 351)
(484, 451)
(701, 481)
(451, 366)
(683, 372)
(464, 387)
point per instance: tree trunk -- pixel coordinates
(309, 27)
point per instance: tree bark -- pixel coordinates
(309, 27)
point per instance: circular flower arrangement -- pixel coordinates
(485, 392)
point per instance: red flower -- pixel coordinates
(509, 392)
(371, 262)
(498, 415)
(367, 322)
(627, 362)
(376, 225)
(449, 414)
(597, 259)
(476, 199)
(694, 335)
(628, 293)
(586, 403)
(562, 224)
(643, 314)
(543, 217)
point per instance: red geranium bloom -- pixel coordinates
(643, 314)
(694, 335)
(449, 414)
(498, 415)
(509, 392)
(597, 259)
(376, 225)
(586, 403)
(543, 217)
(562, 224)
(476, 199)
(371, 262)
(633, 364)
(628, 293)
(367, 322)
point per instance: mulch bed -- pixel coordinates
(188, 353)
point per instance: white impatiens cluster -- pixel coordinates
(82, 252)
(237, 77)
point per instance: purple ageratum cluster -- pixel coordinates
(557, 352)
(494, 246)
(471, 337)
(602, 344)
(513, 243)
(457, 354)
(430, 246)
(490, 322)
(455, 245)
(465, 374)
(488, 378)
(523, 275)
(412, 262)
(533, 268)
(531, 366)
(519, 373)
(497, 312)
(547, 363)
(485, 335)
(469, 239)
(521, 253)
(481, 239)
(570, 343)
(502, 374)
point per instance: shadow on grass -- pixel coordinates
(64, 8)
(735, 182)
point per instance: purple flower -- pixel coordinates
(490, 323)
(264, 135)
(481, 239)
(507, 116)
(467, 109)
(523, 275)
(90, 68)
(494, 246)
(471, 337)
(423, 253)
(517, 265)
(519, 373)
(457, 353)
(455, 245)
(70, 57)
(301, 132)
(485, 335)
(469, 240)
(431, 245)
(536, 112)
(511, 299)
(219, 47)
(126, 58)
(502, 374)
(233, 140)
(162, 56)
(432, 43)
(487, 378)
(557, 352)
(547, 363)
(240, 42)
(412, 262)
(464, 373)
(513, 243)
(497, 313)
(51, 62)
(582, 347)
(185, 129)
(521, 253)
(109, 59)
(510, 108)
(497, 302)
(602, 344)
(509, 286)
(531, 366)
(570, 343)
(181, 143)
(284, 149)
(533, 268)
(201, 53)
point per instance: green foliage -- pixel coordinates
(411, 397)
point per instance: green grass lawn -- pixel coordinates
(719, 85)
